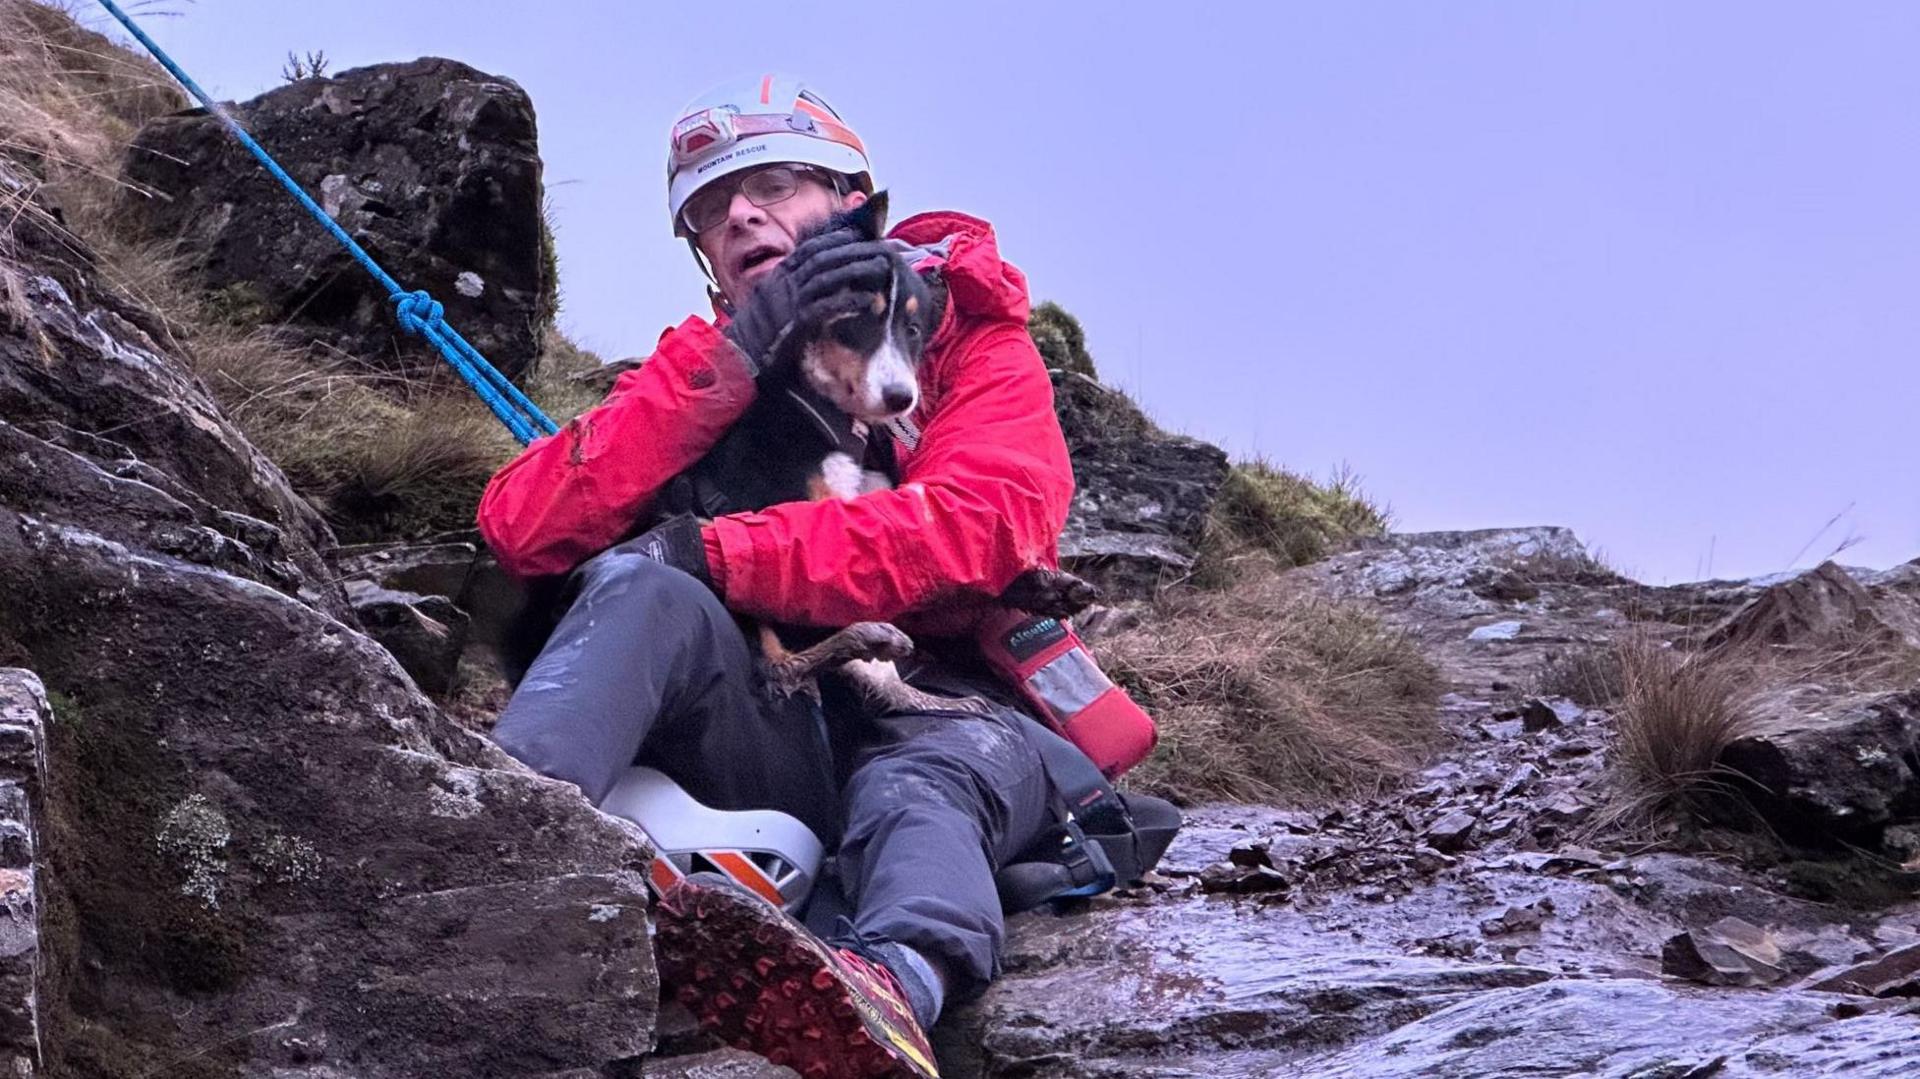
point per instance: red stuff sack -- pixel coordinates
(1046, 661)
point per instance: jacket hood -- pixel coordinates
(979, 283)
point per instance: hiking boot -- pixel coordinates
(759, 981)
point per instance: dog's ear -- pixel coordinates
(870, 217)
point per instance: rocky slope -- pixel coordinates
(240, 840)
(237, 839)
(1468, 924)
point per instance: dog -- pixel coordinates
(848, 373)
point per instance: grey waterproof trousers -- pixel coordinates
(648, 667)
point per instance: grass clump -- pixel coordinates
(382, 458)
(1676, 714)
(1061, 340)
(1266, 512)
(1589, 676)
(1268, 694)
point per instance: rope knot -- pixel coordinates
(417, 311)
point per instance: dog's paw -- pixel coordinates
(1051, 592)
(780, 680)
(877, 641)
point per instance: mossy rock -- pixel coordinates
(1061, 340)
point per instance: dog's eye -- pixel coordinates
(913, 330)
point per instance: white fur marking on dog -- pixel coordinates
(841, 475)
(890, 369)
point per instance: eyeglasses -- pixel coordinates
(763, 187)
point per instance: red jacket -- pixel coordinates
(982, 498)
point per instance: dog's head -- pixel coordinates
(862, 350)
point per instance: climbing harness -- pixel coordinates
(416, 311)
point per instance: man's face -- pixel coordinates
(754, 239)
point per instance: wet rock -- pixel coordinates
(1808, 951)
(1503, 730)
(1846, 770)
(1895, 974)
(717, 1064)
(1429, 861)
(1550, 714)
(1728, 952)
(23, 718)
(424, 633)
(1165, 989)
(1246, 874)
(1517, 782)
(1565, 808)
(431, 165)
(1500, 825)
(1142, 496)
(1629, 1029)
(1518, 919)
(165, 471)
(1452, 832)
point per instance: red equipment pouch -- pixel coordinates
(1045, 660)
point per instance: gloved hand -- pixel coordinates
(820, 266)
(676, 542)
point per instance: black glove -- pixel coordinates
(676, 542)
(819, 267)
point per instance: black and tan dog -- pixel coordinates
(819, 430)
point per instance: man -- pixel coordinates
(648, 662)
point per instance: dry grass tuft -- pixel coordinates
(1589, 676)
(1267, 694)
(70, 100)
(1677, 712)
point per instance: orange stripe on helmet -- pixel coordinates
(834, 129)
(748, 874)
(766, 89)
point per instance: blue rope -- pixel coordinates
(417, 312)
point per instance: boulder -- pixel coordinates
(431, 165)
(1845, 769)
(1142, 495)
(1728, 952)
(261, 847)
(1819, 609)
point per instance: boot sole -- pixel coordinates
(755, 982)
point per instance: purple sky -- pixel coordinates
(1651, 270)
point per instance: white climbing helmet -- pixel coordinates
(768, 119)
(768, 852)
